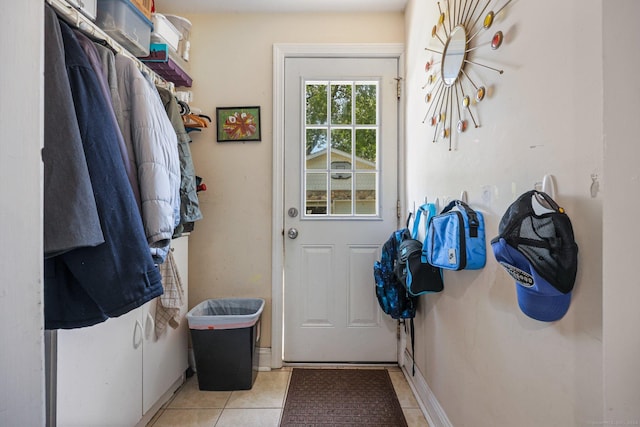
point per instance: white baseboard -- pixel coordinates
(433, 412)
(163, 399)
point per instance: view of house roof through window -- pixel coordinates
(341, 148)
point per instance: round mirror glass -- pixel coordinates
(453, 55)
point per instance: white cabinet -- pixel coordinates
(100, 373)
(160, 360)
(117, 373)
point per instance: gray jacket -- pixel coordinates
(148, 131)
(189, 204)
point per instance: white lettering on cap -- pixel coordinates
(522, 277)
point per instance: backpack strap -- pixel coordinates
(413, 348)
(428, 210)
(474, 223)
(412, 334)
(452, 204)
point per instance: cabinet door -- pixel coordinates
(99, 377)
(165, 357)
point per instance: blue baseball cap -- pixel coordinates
(536, 246)
(537, 298)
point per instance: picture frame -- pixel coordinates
(238, 124)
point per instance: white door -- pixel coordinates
(340, 195)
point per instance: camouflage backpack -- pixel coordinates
(392, 295)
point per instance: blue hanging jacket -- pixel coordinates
(87, 285)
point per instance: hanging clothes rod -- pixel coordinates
(75, 18)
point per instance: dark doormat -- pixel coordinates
(341, 397)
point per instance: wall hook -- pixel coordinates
(463, 196)
(595, 185)
(549, 185)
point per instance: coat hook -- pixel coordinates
(549, 185)
(463, 196)
(595, 185)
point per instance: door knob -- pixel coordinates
(292, 233)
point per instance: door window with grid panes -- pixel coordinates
(341, 148)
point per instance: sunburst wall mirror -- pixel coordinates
(451, 91)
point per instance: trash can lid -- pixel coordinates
(225, 313)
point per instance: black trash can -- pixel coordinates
(225, 334)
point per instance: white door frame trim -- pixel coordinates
(281, 51)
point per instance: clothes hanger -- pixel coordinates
(184, 107)
(193, 120)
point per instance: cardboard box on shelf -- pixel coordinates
(144, 6)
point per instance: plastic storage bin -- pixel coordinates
(124, 22)
(87, 7)
(165, 32)
(225, 334)
(183, 25)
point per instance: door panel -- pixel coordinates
(341, 139)
(316, 271)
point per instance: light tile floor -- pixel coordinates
(259, 407)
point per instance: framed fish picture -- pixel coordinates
(238, 124)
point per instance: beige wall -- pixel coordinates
(480, 385)
(231, 65)
(622, 155)
(486, 362)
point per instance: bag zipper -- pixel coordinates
(463, 241)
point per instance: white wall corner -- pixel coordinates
(264, 358)
(433, 412)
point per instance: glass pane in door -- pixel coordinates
(341, 104)
(341, 140)
(316, 148)
(316, 194)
